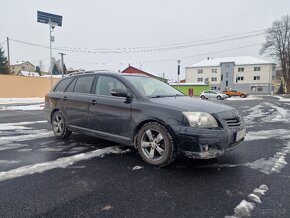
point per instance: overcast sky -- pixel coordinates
(112, 24)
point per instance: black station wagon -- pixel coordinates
(145, 113)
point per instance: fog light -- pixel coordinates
(204, 148)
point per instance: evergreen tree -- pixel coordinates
(37, 69)
(4, 69)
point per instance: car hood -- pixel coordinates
(185, 103)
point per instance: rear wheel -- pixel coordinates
(242, 96)
(58, 126)
(155, 145)
(219, 97)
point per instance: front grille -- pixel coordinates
(232, 118)
(233, 121)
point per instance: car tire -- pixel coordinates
(242, 96)
(155, 145)
(219, 97)
(58, 126)
(202, 97)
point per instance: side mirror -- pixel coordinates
(122, 93)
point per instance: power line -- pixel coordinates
(176, 46)
(168, 59)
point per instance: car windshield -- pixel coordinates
(153, 88)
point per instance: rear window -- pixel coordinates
(61, 86)
(84, 84)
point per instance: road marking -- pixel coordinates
(58, 163)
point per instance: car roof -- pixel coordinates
(102, 72)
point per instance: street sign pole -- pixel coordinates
(50, 50)
(52, 20)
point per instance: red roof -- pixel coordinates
(133, 70)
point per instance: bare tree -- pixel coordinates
(278, 46)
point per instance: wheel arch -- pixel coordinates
(139, 126)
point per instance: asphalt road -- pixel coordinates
(41, 176)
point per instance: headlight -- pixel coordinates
(200, 119)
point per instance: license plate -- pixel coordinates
(241, 134)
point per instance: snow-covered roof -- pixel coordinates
(241, 60)
(27, 73)
(53, 76)
(20, 62)
(188, 84)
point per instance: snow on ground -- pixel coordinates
(25, 133)
(63, 162)
(22, 108)
(250, 97)
(281, 98)
(245, 208)
(21, 104)
(5, 101)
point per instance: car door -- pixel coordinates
(76, 101)
(109, 114)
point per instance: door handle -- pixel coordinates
(93, 102)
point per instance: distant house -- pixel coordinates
(133, 70)
(245, 73)
(21, 66)
(27, 73)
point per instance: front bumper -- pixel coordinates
(207, 143)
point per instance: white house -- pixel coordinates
(245, 73)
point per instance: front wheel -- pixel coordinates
(202, 97)
(242, 96)
(155, 145)
(219, 97)
(58, 126)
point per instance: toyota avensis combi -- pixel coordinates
(145, 113)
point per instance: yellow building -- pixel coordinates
(21, 66)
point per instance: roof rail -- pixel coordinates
(85, 72)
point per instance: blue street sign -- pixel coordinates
(43, 17)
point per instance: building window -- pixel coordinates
(240, 78)
(199, 79)
(257, 68)
(256, 88)
(214, 79)
(200, 71)
(241, 69)
(213, 88)
(256, 77)
(227, 83)
(227, 74)
(23, 67)
(214, 70)
(222, 77)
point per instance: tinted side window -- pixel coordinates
(70, 88)
(61, 86)
(84, 84)
(106, 83)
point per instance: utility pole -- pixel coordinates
(62, 63)
(8, 53)
(178, 71)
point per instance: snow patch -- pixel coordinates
(6, 162)
(137, 168)
(282, 99)
(246, 208)
(58, 163)
(249, 98)
(254, 198)
(22, 108)
(5, 101)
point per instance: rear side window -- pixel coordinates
(84, 84)
(61, 86)
(70, 88)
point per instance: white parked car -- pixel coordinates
(213, 94)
